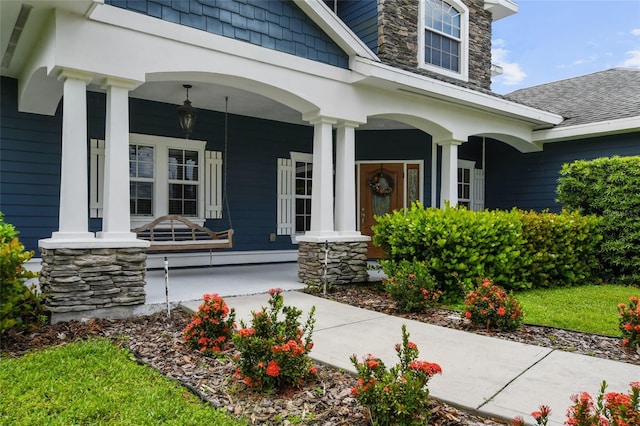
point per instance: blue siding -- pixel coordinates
(30, 147)
(374, 145)
(529, 181)
(362, 17)
(274, 24)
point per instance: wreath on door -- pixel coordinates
(381, 184)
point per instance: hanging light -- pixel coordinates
(187, 114)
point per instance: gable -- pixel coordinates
(276, 24)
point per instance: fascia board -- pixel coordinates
(391, 78)
(335, 28)
(133, 21)
(500, 8)
(582, 131)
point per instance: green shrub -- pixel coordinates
(211, 329)
(561, 249)
(491, 306)
(456, 245)
(629, 321)
(273, 351)
(19, 305)
(399, 395)
(411, 285)
(608, 187)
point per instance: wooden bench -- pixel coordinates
(173, 233)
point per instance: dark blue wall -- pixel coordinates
(362, 17)
(529, 181)
(30, 147)
(274, 24)
(251, 162)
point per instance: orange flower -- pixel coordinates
(467, 315)
(273, 369)
(502, 311)
(313, 370)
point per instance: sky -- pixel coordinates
(551, 40)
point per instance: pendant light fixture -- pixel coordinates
(187, 114)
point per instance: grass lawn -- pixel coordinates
(593, 309)
(96, 383)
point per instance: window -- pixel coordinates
(302, 196)
(443, 39)
(166, 176)
(294, 180)
(470, 185)
(141, 180)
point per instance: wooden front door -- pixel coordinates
(381, 191)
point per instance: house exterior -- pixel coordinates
(312, 118)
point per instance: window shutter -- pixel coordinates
(285, 196)
(478, 190)
(96, 178)
(213, 185)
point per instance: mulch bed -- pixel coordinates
(156, 341)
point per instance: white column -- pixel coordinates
(449, 174)
(116, 222)
(346, 179)
(74, 199)
(322, 181)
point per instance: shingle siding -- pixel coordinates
(362, 17)
(273, 24)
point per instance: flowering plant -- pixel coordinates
(274, 352)
(630, 323)
(398, 396)
(490, 305)
(412, 286)
(609, 409)
(211, 329)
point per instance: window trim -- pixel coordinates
(286, 204)
(464, 42)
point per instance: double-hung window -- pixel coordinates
(166, 176)
(295, 175)
(443, 37)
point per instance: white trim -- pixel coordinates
(216, 258)
(500, 8)
(471, 166)
(463, 74)
(393, 78)
(581, 131)
(335, 28)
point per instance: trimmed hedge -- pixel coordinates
(610, 188)
(516, 249)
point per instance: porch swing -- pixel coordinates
(175, 233)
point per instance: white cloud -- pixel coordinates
(633, 61)
(512, 74)
(635, 31)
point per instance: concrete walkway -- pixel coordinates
(491, 376)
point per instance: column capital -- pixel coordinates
(450, 142)
(348, 123)
(314, 117)
(122, 83)
(70, 73)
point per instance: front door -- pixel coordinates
(381, 191)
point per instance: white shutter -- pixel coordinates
(478, 190)
(285, 196)
(96, 177)
(213, 185)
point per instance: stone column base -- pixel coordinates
(92, 282)
(346, 262)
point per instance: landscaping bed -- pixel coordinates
(157, 341)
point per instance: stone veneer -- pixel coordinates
(346, 262)
(92, 282)
(398, 40)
